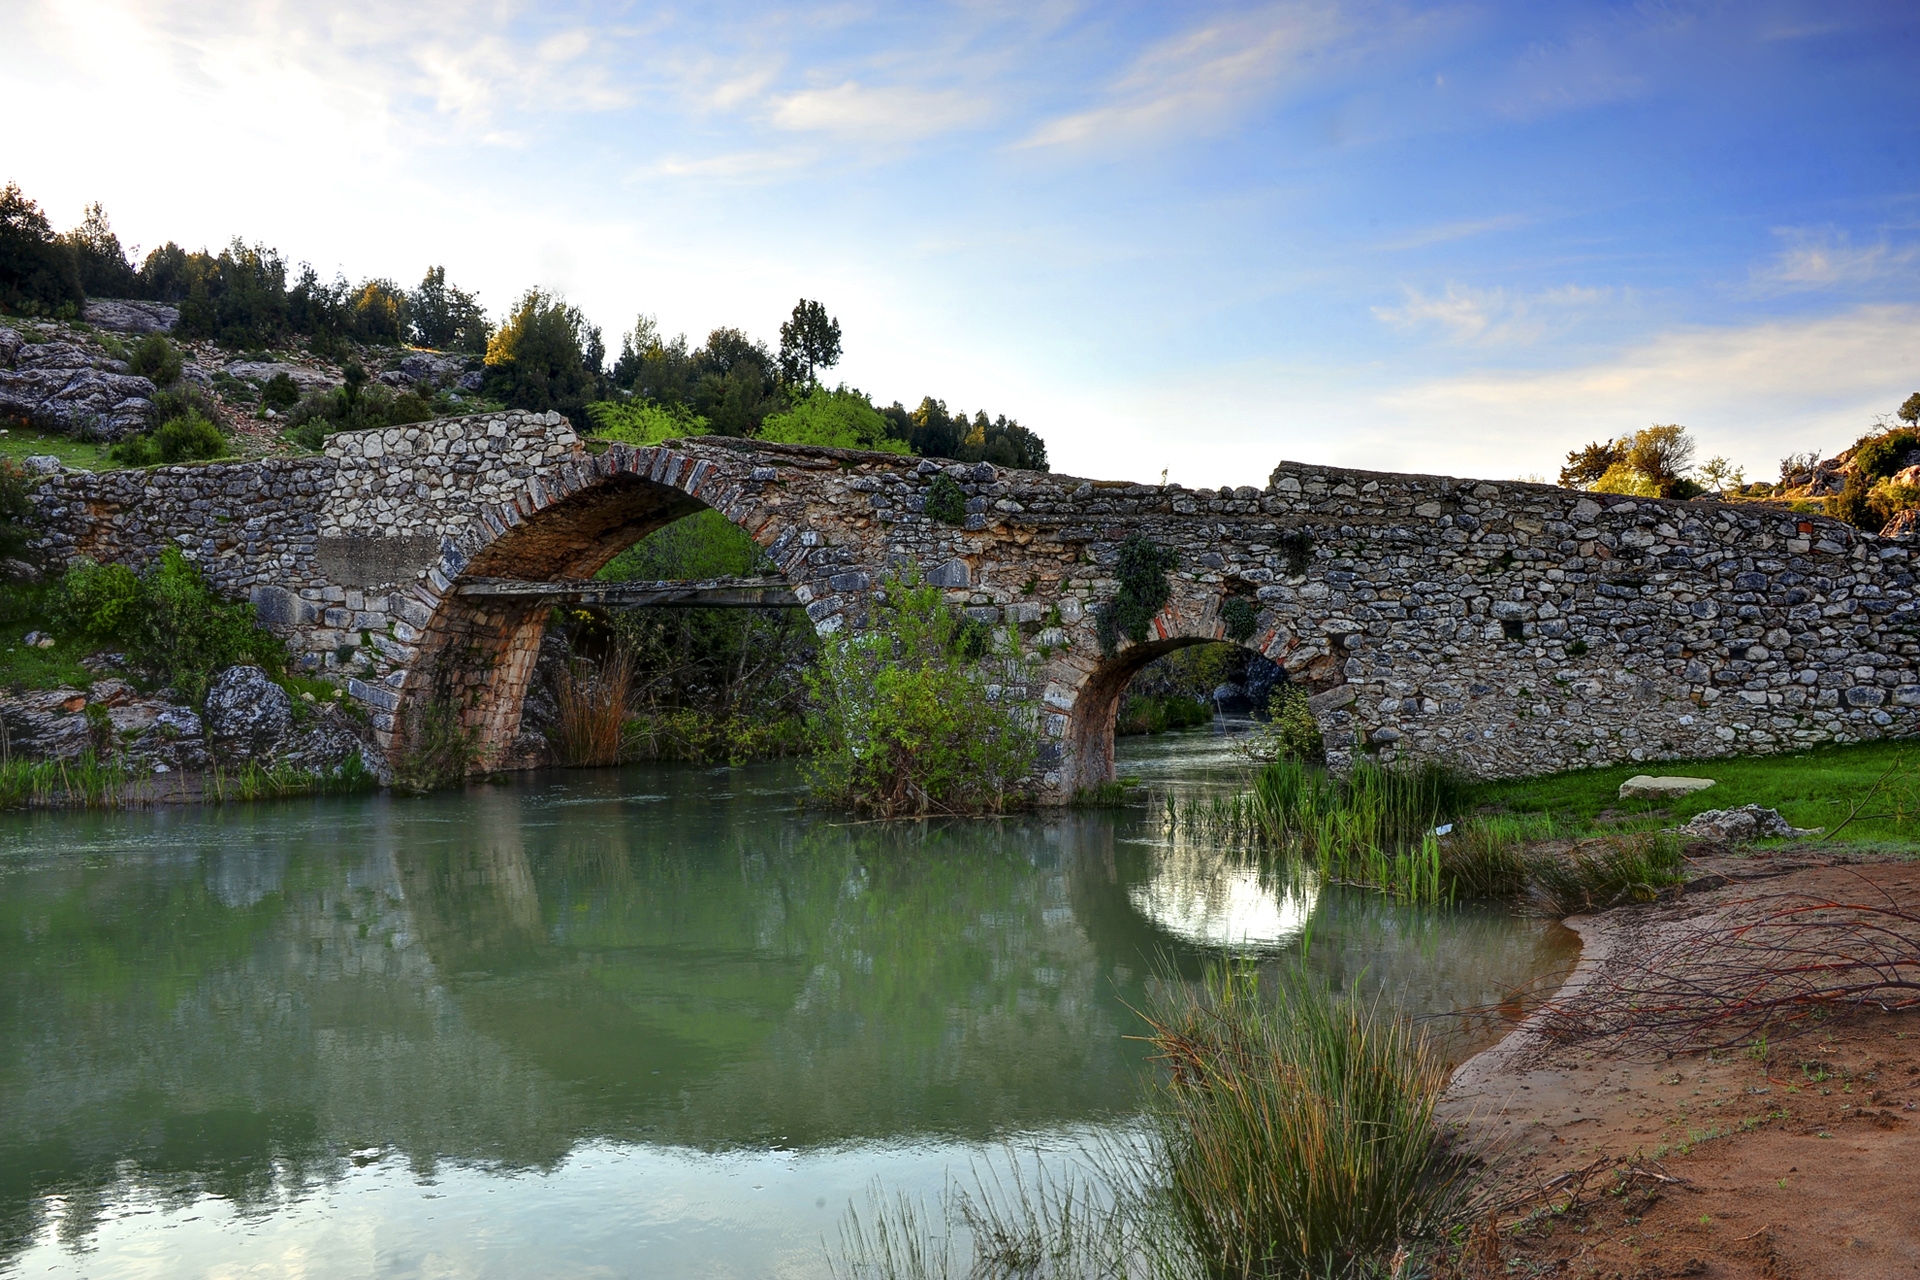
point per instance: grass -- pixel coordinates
(1817, 788)
(1291, 1134)
(1634, 867)
(23, 668)
(18, 442)
(91, 782)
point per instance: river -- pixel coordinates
(649, 1021)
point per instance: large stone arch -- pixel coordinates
(477, 655)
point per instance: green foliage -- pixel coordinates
(1144, 589)
(933, 432)
(446, 318)
(1241, 617)
(1635, 867)
(174, 626)
(281, 391)
(902, 725)
(1297, 1130)
(809, 342)
(238, 298)
(642, 422)
(16, 508)
(546, 357)
(1859, 505)
(98, 257)
(840, 419)
(1290, 731)
(1909, 410)
(99, 602)
(703, 545)
(1160, 714)
(359, 405)
(1879, 456)
(946, 501)
(1652, 463)
(156, 359)
(38, 273)
(442, 750)
(190, 437)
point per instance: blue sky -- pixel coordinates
(1199, 238)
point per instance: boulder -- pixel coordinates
(1905, 524)
(263, 371)
(1742, 823)
(124, 315)
(62, 386)
(247, 715)
(426, 370)
(1644, 787)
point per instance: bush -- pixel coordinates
(1144, 589)
(901, 724)
(840, 419)
(187, 438)
(546, 356)
(1240, 616)
(642, 422)
(360, 405)
(156, 359)
(946, 501)
(1290, 733)
(174, 626)
(280, 391)
(1878, 457)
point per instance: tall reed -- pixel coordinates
(1595, 875)
(1297, 1130)
(592, 701)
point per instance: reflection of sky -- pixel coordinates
(1212, 899)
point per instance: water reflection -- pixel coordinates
(1220, 900)
(265, 1005)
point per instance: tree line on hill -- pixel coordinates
(544, 354)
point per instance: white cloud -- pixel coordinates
(1450, 231)
(1823, 259)
(1492, 317)
(885, 112)
(1201, 76)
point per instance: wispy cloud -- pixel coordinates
(1812, 259)
(1202, 76)
(1491, 317)
(1450, 231)
(881, 112)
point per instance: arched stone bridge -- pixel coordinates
(1510, 628)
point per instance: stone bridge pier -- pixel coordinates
(1508, 628)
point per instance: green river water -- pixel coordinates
(643, 1022)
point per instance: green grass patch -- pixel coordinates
(25, 442)
(1817, 788)
(23, 668)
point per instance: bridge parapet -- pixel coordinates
(1510, 628)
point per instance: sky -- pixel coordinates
(1191, 238)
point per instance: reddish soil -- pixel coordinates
(1787, 1158)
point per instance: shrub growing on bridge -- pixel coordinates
(902, 721)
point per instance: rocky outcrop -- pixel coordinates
(263, 371)
(247, 719)
(1743, 823)
(426, 371)
(62, 386)
(125, 315)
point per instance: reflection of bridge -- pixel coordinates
(1514, 628)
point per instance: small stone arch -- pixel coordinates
(1090, 722)
(478, 655)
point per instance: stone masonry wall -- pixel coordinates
(1510, 628)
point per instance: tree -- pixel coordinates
(37, 271)
(1719, 474)
(1909, 412)
(446, 318)
(735, 388)
(546, 356)
(809, 342)
(102, 263)
(380, 313)
(1662, 455)
(1585, 466)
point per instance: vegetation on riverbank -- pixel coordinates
(94, 782)
(904, 719)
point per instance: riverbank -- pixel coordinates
(1658, 1144)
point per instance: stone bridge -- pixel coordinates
(1509, 628)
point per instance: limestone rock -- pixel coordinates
(263, 371)
(61, 386)
(247, 715)
(1905, 524)
(426, 370)
(1742, 823)
(1644, 787)
(124, 315)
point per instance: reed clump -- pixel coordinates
(1297, 1130)
(592, 702)
(1291, 1137)
(1609, 872)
